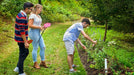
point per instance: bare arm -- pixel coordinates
(79, 42)
(25, 42)
(84, 47)
(87, 37)
(24, 38)
(30, 23)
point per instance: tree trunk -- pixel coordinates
(105, 31)
(1, 1)
(39, 1)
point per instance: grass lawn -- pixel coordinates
(55, 54)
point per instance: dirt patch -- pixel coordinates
(84, 59)
(91, 71)
(84, 56)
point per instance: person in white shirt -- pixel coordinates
(71, 35)
(35, 21)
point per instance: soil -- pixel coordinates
(91, 71)
(84, 56)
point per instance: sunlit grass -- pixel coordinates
(55, 55)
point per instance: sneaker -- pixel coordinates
(72, 70)
(16, 69)
(74, 66)
(23, 74)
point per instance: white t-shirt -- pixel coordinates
(73, 32)
(37, 19)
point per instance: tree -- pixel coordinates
(118, 13)
(39, 1)
(100, 12)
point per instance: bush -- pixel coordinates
(74, 17)
(11, 8)
(53, 10)
(119, 14)
(60, 18)
(119, 54)
(86, 13)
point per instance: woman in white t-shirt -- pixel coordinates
(35, 21)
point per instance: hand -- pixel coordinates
(94, 43)
(26, 45)
(84, 47)
(44, 27)
(41, 28)
(29, 41)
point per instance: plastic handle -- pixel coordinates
(30, 41)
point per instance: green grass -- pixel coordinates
(6, 31)
(55, 54)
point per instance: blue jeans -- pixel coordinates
(34, 34)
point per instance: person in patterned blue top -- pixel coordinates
(71, 35)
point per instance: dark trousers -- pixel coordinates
(23, 53)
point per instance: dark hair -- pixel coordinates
(86, 20)
(27, 5)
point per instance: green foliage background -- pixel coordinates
(118, 13)
(53, 10)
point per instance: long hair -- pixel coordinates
(37, 6)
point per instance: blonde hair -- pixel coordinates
(37, 6)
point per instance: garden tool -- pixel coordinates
(45, 26)
(29, 41)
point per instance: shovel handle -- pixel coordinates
(30, 41)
